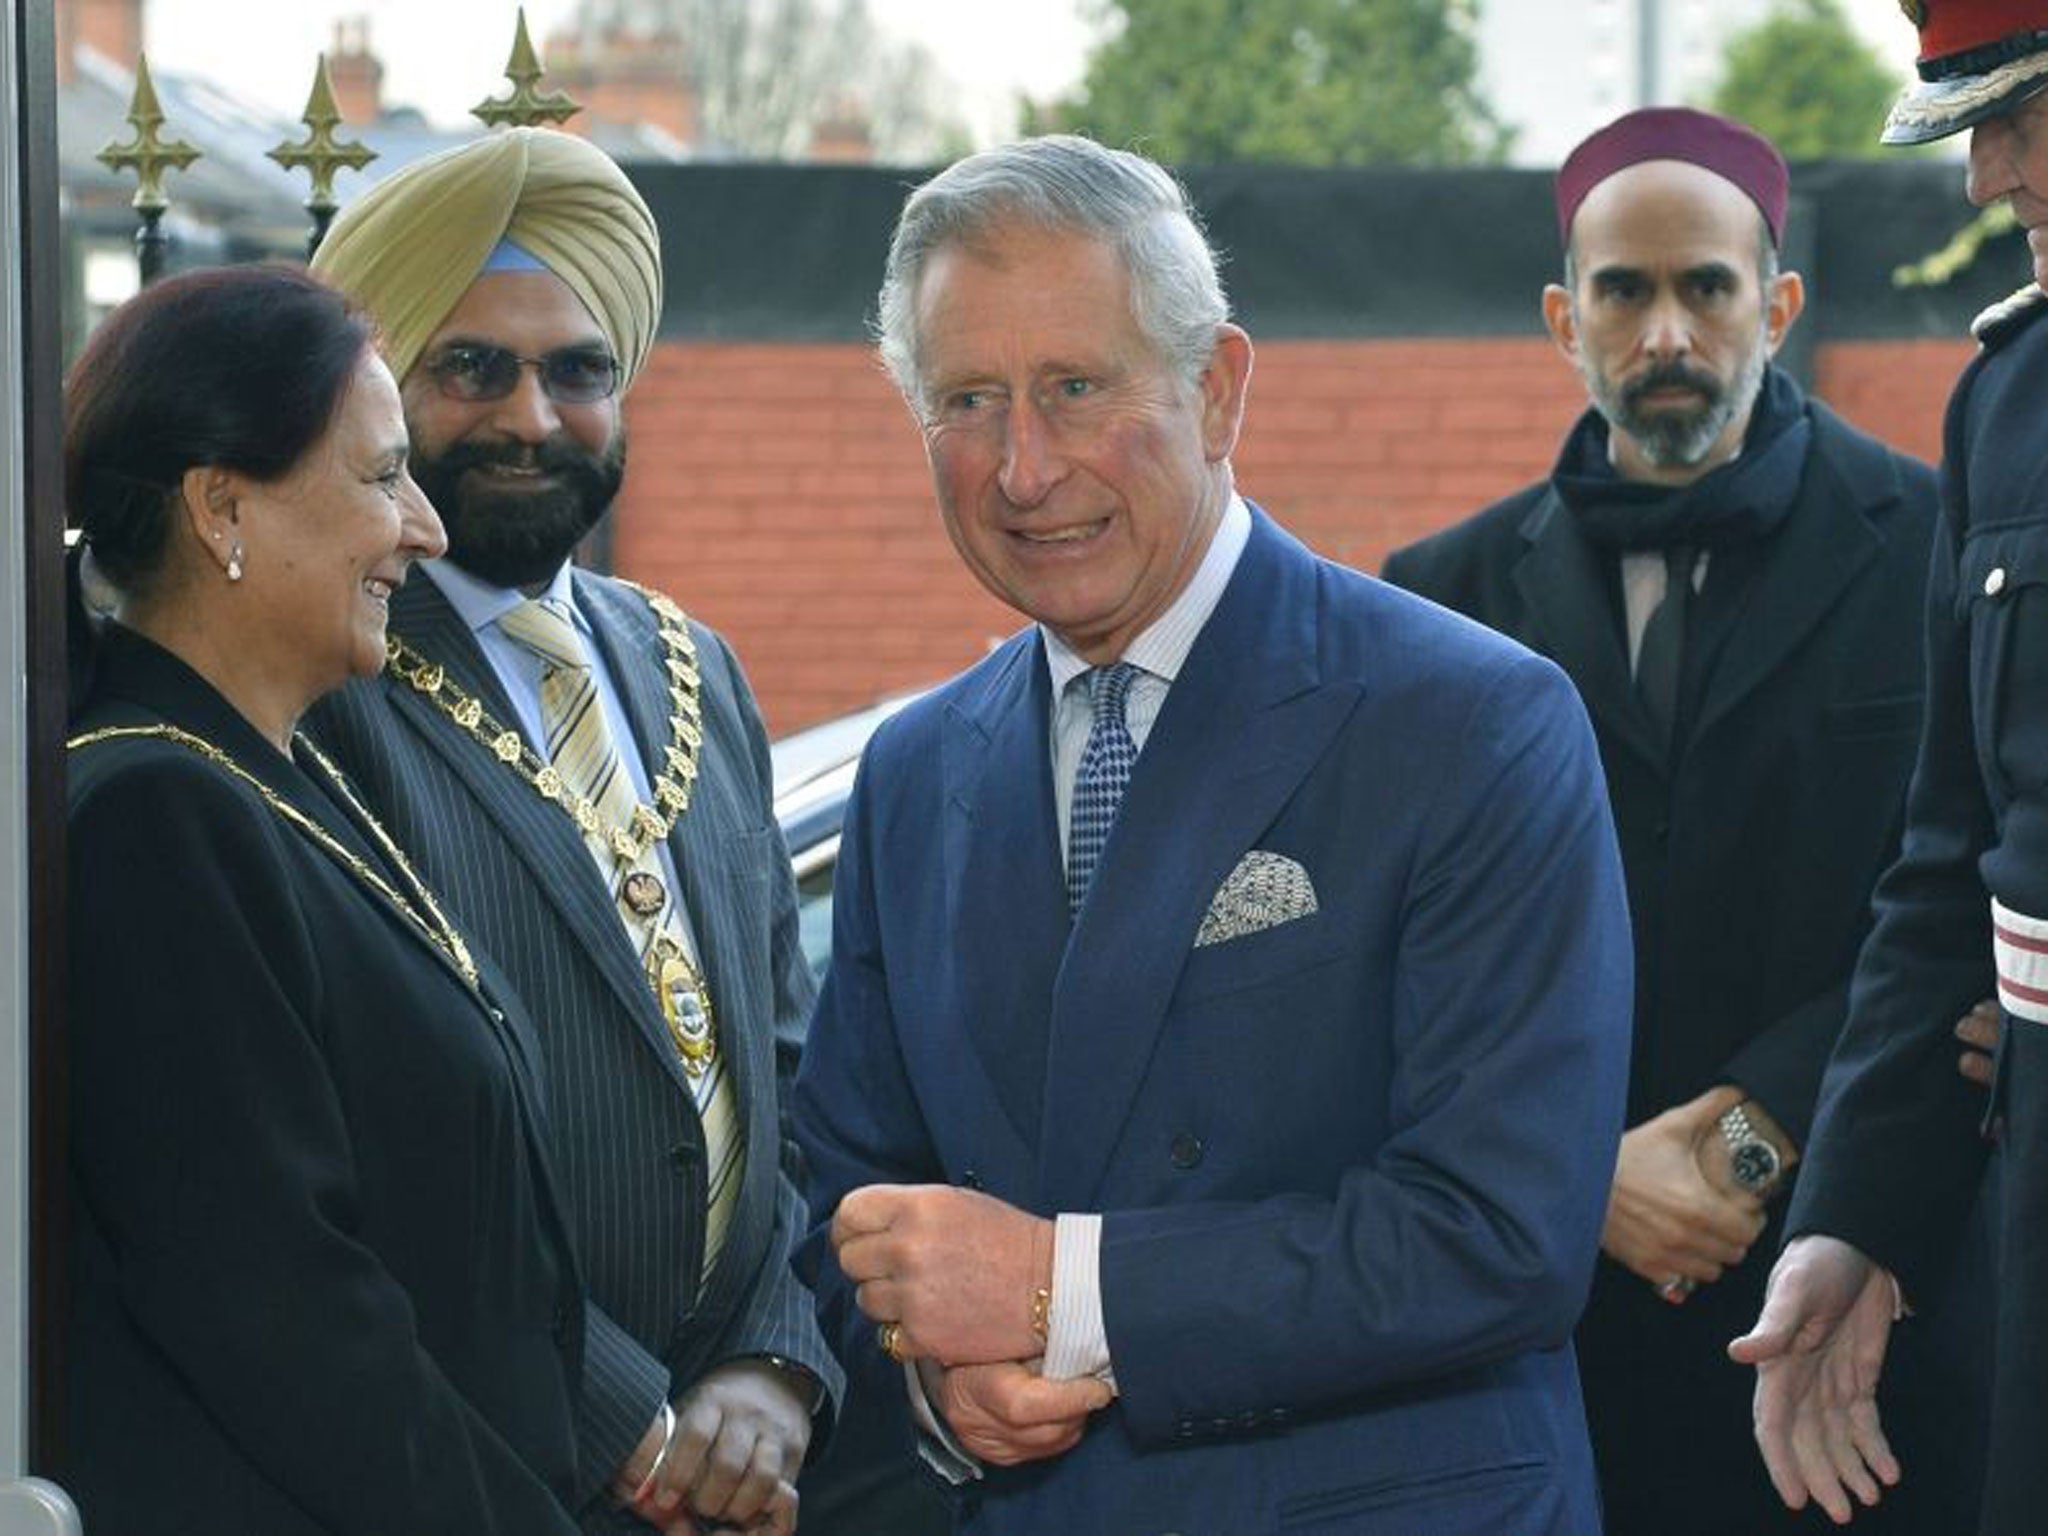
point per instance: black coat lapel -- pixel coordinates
(1568, 588)
(1825, 544)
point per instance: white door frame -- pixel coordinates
(28, 1506)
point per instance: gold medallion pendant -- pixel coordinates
(685, 1005)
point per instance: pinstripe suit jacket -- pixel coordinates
(625, 1138)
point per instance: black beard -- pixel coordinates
(519, 538)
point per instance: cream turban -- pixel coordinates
(409, 248)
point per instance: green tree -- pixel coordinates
(1316, 82)
(1804, 79)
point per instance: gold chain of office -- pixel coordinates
(427, 916)
(649, 825)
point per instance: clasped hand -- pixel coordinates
(1667, 1217)
(740, 1437)
(955, 1272)
(953, 1269)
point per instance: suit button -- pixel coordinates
(1184, 1430)
(1186, 1150)
(970, 1180)
(682, 1157)
(1994, 582)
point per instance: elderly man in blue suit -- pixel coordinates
(1214, 1093)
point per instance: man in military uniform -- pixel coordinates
(580, 772)
(1895, 1152)
(1722, 566)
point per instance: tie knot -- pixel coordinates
(1679, 560)
(1108, 687)
(543, 625)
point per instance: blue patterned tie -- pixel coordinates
(1100, 781)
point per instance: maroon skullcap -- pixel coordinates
(1736, 153)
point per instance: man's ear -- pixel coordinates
(1784, 302)
(1560, 321)
(1225, 385)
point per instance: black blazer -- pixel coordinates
(1896, 1153)
(317, 1278)
(623, 1132)
(1750, 861)
(1751, 858)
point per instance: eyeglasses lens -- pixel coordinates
(571, 376)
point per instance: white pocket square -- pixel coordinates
(1264, 891)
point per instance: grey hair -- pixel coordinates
(1066, 184)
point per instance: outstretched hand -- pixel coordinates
(1818, 1347)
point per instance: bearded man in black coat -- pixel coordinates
(1729, 573)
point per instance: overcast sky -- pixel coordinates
(991, 49)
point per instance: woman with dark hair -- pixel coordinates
(317, 1278)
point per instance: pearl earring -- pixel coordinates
(235, 562)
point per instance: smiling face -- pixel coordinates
(1670, 318)
(1079, 477)
(2009, 159)
(518, 480)
(329, 542)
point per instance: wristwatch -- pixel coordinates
(1753, 1161)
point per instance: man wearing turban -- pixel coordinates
(1725, 568)
(581, 773)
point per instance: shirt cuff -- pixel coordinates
(1077, 1342)
(936, 1444)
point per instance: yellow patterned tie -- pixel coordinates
(581, 749)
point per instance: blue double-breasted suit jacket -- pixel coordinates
(1353, 1166)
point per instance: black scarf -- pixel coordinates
(1740, 502)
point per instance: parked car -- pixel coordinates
(813, 777)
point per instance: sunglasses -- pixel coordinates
(476, 371)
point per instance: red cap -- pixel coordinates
(1950, 27)
(1733, 151)
(1978, 58)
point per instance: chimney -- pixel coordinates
(356, 72)
(843, 135)
(110, 28)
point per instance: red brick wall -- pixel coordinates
(779, 492)
(1894, 389)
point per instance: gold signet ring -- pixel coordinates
(890, 1337)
